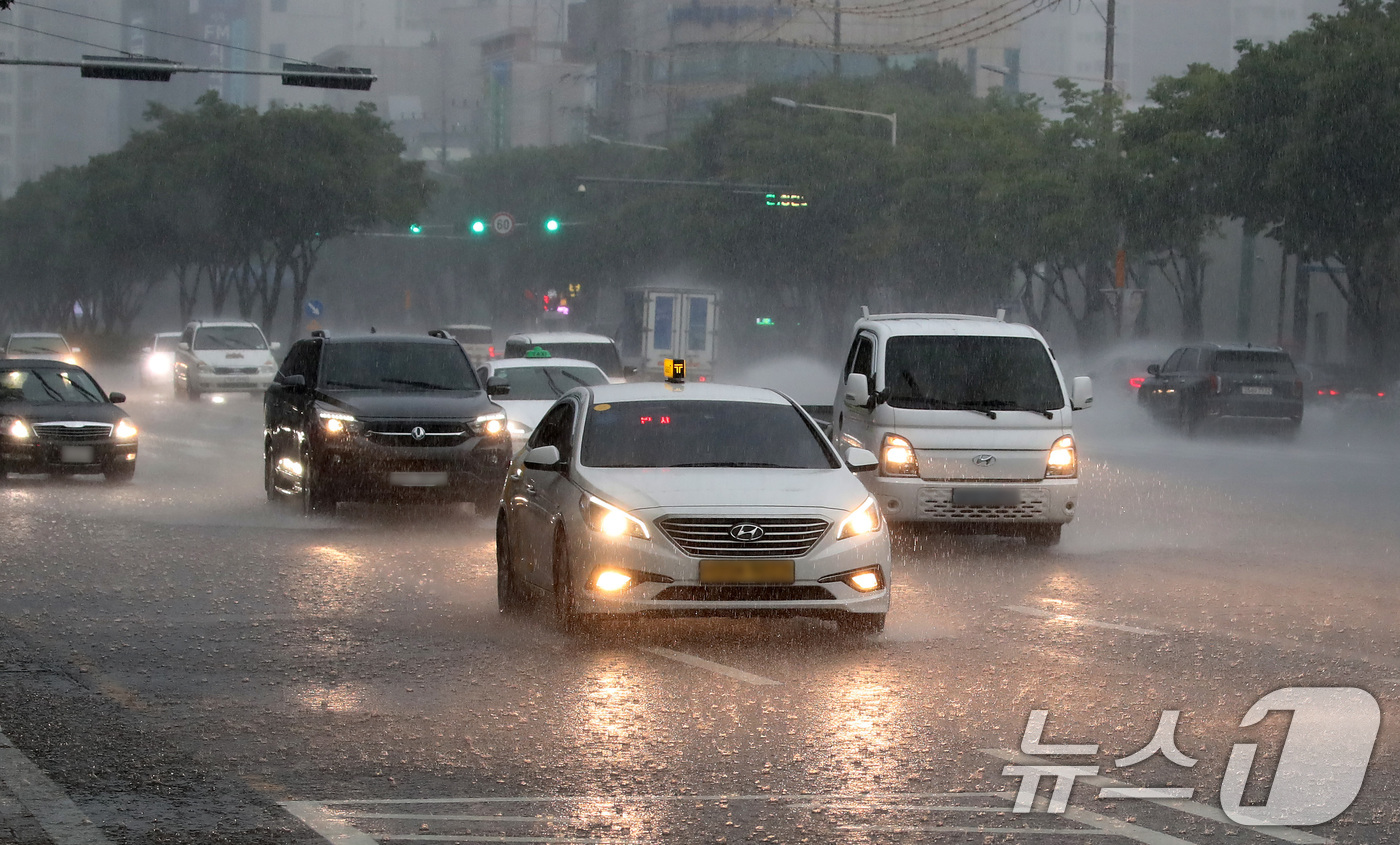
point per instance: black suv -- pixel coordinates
(380, 417)
(1216, 383)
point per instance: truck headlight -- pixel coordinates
(124, 430)
(1062, 461)
(863, 520)
(611, 520)
(897, 456)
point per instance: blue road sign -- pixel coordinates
(314, 308)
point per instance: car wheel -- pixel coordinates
(1187, 419)
(120, 473)
(565, 614)
(316, 499)
(1043, 536)
(862, 624)
(509, 597)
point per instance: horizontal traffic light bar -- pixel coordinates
(146, 69)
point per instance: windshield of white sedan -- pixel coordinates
(47, 387)
(390, 366)
(21, 346)
(548, 382)
(602, 354)
(991, 373)
(229, 337)
(701, 434)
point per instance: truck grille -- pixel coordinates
(435, 433)
(701, 536)
(937, 502)
(73, 432)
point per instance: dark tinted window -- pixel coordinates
(1254, 361)
(865, 356)
(602, 354)
(390, 365)
(301, 361)
(931, 372)
(701, 434)
(470, 335)
(229, 337)
(1174, 361)
(40, 386)
(547, 382)
(555, 429)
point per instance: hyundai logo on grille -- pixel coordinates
(418, 432)
(984, 460)
(746, 532)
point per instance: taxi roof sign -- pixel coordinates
(675, 369)
(538, 352)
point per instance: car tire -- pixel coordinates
(565, 614)
(1187, 419)
(861, 624)
(1044, 536)
(509, 597)
(316, 499)
(120, 473)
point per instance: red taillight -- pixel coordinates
(1136, 382)
(1214, 383)
(1298, 388)
(1380, 395)
(490, 352)
(1322, 393)
(704, 378)
(1331, 393)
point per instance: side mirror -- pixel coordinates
(294, 382)
(861, 460)
(1154, 369)
(1082, 394)
(543, 457)
(857, 390)
(275, 345)
(497, 386)
(116, 398)
(183, 347)
(629, 371)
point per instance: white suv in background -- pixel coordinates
(226, 356)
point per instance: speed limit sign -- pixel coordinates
(502, 223)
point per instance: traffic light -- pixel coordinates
(478, 227)
(415, 228)
(322, 76)
(552, 224)
(127, 67)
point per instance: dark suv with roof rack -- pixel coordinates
(1212, 383)
(382, 417)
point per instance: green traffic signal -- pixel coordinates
(552, 224)
(415, 228)
(478, 227)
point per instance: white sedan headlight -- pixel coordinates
(863, 520)
(611, 520)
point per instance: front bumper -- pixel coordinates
(359, 469)
(208, 381)
(41, 456)
(1048, 501)
(684, 595)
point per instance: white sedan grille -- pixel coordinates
(781, 537)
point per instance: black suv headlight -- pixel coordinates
(338, 423)
(489, 425)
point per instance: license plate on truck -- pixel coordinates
(986, 497)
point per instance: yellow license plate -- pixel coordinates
(746, 571)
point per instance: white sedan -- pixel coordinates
(690, 500)
(535, 384)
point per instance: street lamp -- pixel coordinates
(1002, 70)
(892, 118)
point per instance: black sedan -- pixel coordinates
(54, 419)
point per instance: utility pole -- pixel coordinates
(836, 41)
(1108, 20)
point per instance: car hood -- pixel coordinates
(397, 405)
(102, 412)
(715, 487)
(527, 412)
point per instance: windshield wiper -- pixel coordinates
(350, 385)
(959, 406)
(757, 464)
(57, 397)
(426, 385)
(552, 385)
(568, 375)
(1003, 405)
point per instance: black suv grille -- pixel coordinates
(703, 536)
(413, 433)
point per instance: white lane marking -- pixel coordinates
(445, 817)
(52, 808)
(1118, 827)
(1065, 617)
(1215, 814)
(331, 828)
(717, 668)
(1109, 793)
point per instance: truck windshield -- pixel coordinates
(948, 371)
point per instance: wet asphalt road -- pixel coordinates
(188, 663)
